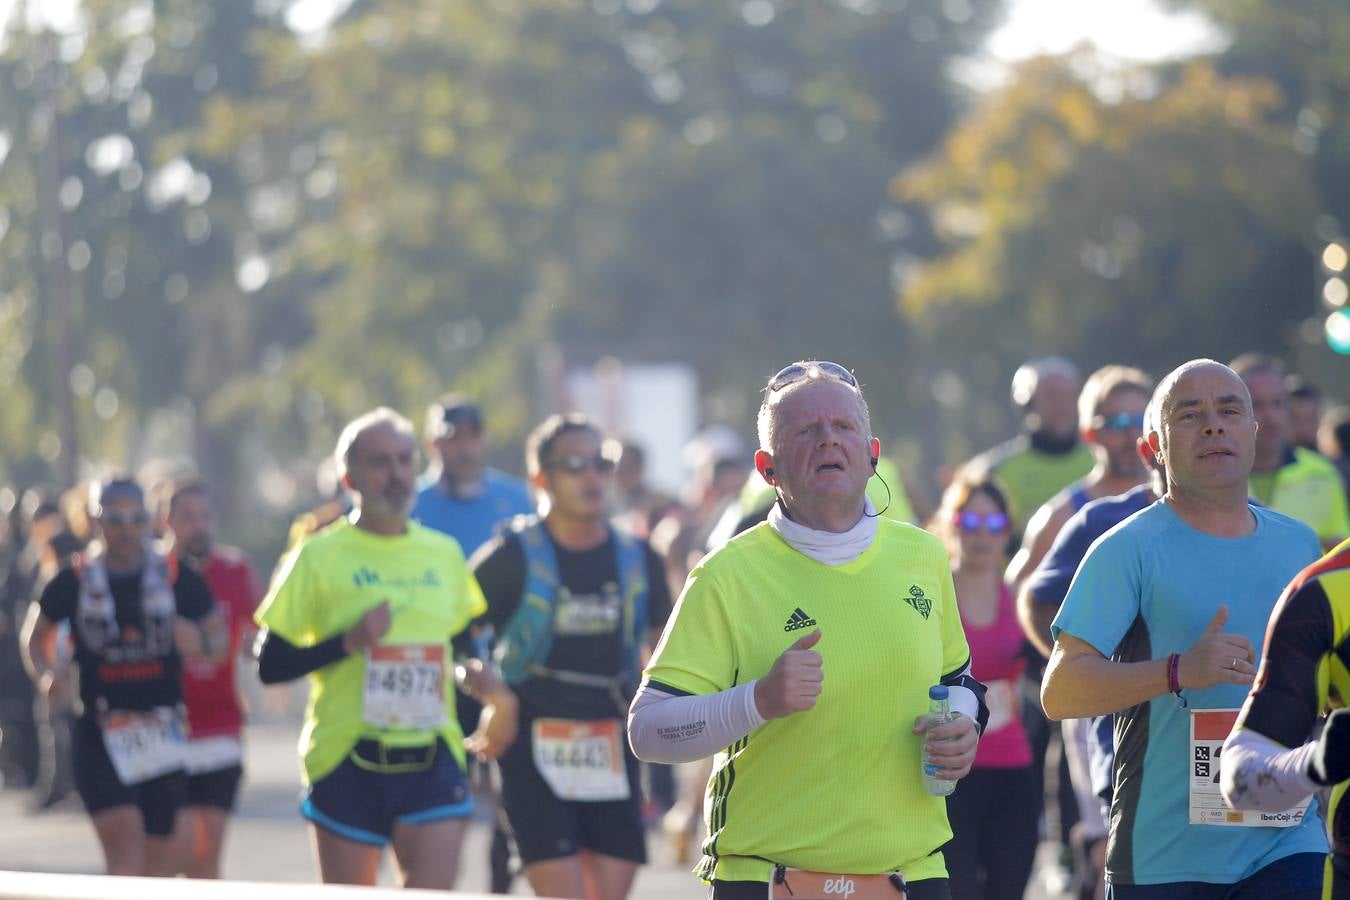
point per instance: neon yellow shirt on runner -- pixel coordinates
(836, 788)
(1306, 487)
(324, 587)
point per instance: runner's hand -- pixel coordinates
(951, 746)
(187, 638)
(794, 682)
(497, 726)
(477, 679)
(54, 686)
(367, 632)
(1219, 657)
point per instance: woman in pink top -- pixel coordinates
(995, 808)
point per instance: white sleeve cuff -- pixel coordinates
(963, 700)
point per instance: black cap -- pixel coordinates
(452, 413)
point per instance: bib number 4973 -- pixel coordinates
(405, 686)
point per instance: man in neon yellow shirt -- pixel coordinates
(802, 653)
(1289, 479)
(1047, 456)
(367, 608)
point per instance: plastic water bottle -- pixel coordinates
(939, 713)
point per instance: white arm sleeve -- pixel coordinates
(665, 728)
(1257, 773)
(961, 699)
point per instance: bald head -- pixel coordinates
(1167, 394)
(1203, 428)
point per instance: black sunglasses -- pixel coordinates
(799, 370)
(575, 465)
(124, 517)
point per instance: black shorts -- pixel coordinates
(546, 827)
(218, 789)
(158, 799)
(418, 785)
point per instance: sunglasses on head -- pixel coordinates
(575, 465)
(124, 517)
(971, 522)
(797, 371)
(1119, 422)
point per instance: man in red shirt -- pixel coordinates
(215, 714)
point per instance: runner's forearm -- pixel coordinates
(666, 728)
(1088, 684)
(280, 661)
(1258, 773)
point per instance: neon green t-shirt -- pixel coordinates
(324, 587)
(1029, 477)
(837, 788)
(1307, 488)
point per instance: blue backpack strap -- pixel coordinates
(525, 641)
(528, 636)
(632, 565)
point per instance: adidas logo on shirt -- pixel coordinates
(798, 620)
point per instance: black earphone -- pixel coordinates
(768, 471)
(874, 461)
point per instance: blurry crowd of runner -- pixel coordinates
(998, 515)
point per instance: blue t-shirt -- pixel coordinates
(1049, 583)
(473, 522)
(1148, 588)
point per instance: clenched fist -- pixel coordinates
(793, 684)
(367, 632)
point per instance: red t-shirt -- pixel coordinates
(997, 662)
(210, 692)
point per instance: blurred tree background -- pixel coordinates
(222, 235)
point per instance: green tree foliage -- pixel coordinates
(676, 180)
(117, 235)
(1148, 225)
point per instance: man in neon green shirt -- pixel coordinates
(1291, 480)
(801, 653)
(367, 608)
(1048, 456)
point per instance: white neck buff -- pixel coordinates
(828, 547)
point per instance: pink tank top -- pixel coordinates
(996, 661)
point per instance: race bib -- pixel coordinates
(1004, 703)
(1209, 729)
(405, 686)
(581, 760)
(214, 753)
(144, 745)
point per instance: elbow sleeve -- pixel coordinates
(1257, 773)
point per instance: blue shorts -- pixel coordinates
(376, 787)
(1294, 877)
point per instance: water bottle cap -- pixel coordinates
(937, 692)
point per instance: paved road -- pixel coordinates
(268, 841)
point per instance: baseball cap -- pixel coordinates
(449, 414)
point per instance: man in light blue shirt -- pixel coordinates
(465, 499)
(1161, 625)
(469, 501)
